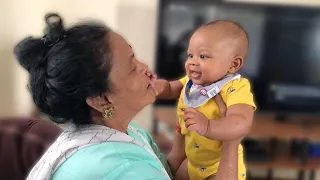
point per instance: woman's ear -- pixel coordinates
(97, 103)
(236, 64)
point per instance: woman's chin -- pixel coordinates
(152, 98)
(148, 99)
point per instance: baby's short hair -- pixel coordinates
(236, 32)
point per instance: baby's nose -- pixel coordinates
(194, 63)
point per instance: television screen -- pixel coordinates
(284, 55)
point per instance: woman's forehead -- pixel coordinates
(121, 49)
(121, 53)
(119, 44)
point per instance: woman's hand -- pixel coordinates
(221, 105)
(228, 167)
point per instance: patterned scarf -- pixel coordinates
(196, 95)
(72, 140)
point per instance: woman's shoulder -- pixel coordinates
(139, 129)
(142, 132)
(87, 163)
(111, 159)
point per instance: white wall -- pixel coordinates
(6, 74)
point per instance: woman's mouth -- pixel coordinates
(151, 83)
(152, 80)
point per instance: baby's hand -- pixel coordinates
(196, 121)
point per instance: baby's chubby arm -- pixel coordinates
(236, 124)
(239, 115)
(168, 90)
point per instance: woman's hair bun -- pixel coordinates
(31, 51)
(54, 28)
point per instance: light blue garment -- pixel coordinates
(114, 161)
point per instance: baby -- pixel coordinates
(216, 52)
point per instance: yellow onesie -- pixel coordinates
(204, 154)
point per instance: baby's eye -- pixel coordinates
(190, 56)
(203, 57)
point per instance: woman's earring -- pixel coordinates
(108, 112)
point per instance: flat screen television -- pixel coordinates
(283, 64)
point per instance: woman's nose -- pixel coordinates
(144, 68)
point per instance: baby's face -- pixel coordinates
(209, 57)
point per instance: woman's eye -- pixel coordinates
(190, 56)
(134, 68)
(203, 57)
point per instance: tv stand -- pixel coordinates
(281, 118)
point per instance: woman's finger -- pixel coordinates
(221, 105)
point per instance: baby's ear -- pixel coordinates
(235, 65)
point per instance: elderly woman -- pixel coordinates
(88, 75)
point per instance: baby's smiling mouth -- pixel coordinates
(195, 74)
